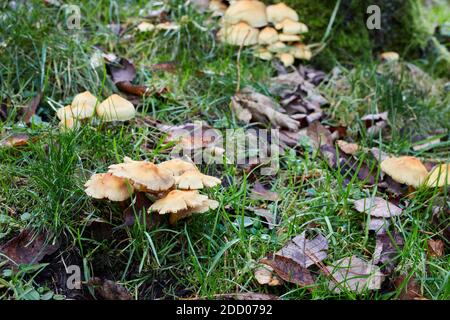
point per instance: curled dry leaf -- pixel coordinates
(289, 270)
(305, 252)
(377, 207)
(354, 274)
(31, 108)
(260, 192)
(251, 105)
(436, 248)
(387, 248)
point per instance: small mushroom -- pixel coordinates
(439, 176)
(263, 54)
(145, 27)
(252, 12)
(278, 12)
(178, 200)
(291, 27)
(204, 207)
(116, 108)
(217, 7)
(145, 175)
(286, 58)
(288, 37)
(268, 35)
(389, 56)
(82, 107)
(108, 186)
(177, 166)
(300, 51)
(406, 170)
(194, 180)
(277, 47)
(239, 34)
(68, 124)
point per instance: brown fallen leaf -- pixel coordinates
(410, 290)
(140, 207)
(267, 215)
(289, 270)
(122, 74)
(377, 207)
(109, 290)
(260, 192)
(16, 140)
(170, 66)
(27, 248)
(387, 249)
(250, 105)
(379, 225)
(305, 252)
(31, 108)
(319, 135)
(375, 122)
(436, 248)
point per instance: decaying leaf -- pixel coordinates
(377, 207)
(266, 214)
(410, 288)
(354, 274)
(31, 108)
(289, 270)
(260, 192)
(435, 248)
(27, 248)
(348, 147)
(122, 74)
(109, 290)
(305, 252)
(387, 248)
(379, 225)
(16, 140)
(375, 122)
(250, 105)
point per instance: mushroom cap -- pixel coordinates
(268, 35)
(194, 180)
(277, 47)
(283, 37)
(218, 7)
(292, 27)
(145, 175)
(145, 26)
(263, 54)
(178, 200)
(252, 12)
(406, 170)
(177, 166)
(286, 58)
(105, 185)
(84, 98)
(116, 108)
(239, 34)
(301, 51)
(82, 107)
(68, 124)
(390, 56)
(439, 176)
(204, 207)
(278, 12)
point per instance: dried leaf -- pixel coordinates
(387, 249)
(109, 290)
(124, 71)
(32, 107)
(266, 214)
(16, 140)
(377, 207)
(266, 275)
(436, 248)
(260, 192)
(305, 252)
(354, 274)
(410, 289)
(347, 147)
(289, 270)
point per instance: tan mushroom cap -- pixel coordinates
(204, 207)
(277, 47)
(301, 51)
(389, 56)
(84, 98)
(252, 12)
(263, 54)
(194, 180)
(278, 12)
(178, 200)
(239, 34)
(286, 58)
(145, 175)
(291, 27)
(107, 186)
(268, 35)
(116, 108)
(82, 107)
(145, 26)
(177, 166)
(406, 170)
(217, 7)
(288, 37)
(439, 176)
(68, 124)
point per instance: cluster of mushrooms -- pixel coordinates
(85, 106)
(173, 183)
(272, 30)
(413, 173)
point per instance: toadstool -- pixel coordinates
(194, 179)
(406, 170)
(178, 200)
(116, 108)
(252, 12)
(108, 186)
(439, 176)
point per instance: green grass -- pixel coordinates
(41, 185)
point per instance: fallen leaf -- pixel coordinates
(347, 147)
(305, 252)
(319, 135)
(140, 207)
(377, 207)
(266, 214)
(410, 289)
(375, 122)
(260, 192)
(27, 248)
(436, 248)
(289, 270)
(387, 248)
(354, 274)
(109, 290)
(379, 225)
(31, 108)
(164, 66)
(122, 74)
(16, 140)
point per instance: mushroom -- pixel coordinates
(217, 7)
(277, 47)
(286, 58)
(177, 166)
(145, 27)
(194, 179)
(108, 186)
(278, 12)
(178, 200)
(263, 54)
(116, 108)
(252, 12)
(439, 176)
(389, 56)
(239, 34)
(406, 170)
(291, 27)
(82, 107)
(68, 124)
(145, 175)
(300, 51)
(206, 205)
(268, 35)
(288, 37)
